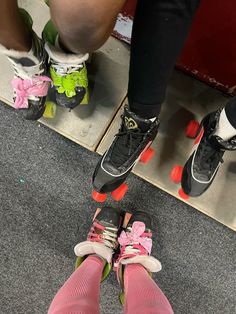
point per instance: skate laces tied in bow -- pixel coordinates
(29, 89)
(135, 241)
(103, 234)
(66, 78)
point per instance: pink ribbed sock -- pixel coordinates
(80, 293)
(142, 295)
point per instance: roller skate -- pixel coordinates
(30, 83)
(135, 247)
(131, 144)
(203, 164)
(67, 70)
(102, 238)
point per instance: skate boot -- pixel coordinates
(102, 238)
(130, 145)
(68, 71)
(30, 82)
(135, 247)
(206, 158)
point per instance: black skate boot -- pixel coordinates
(130, 145)
(30, 82)
(204, 162)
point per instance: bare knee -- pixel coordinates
(84, 29)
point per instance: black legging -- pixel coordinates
(159, 33)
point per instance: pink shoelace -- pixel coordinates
(37, 87)
(93, 236)
(138, 238)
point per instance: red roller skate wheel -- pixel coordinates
(147, 155)
(192, 129)
(99, 197)
(183, 195)
(120, 192)
(176, 174)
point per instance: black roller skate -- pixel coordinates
(131, 144)
(201, 168)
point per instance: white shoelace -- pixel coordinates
(109, 237)
(64, 69)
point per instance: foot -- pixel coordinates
(133, 139)
(135, 247)
(206, 158)
(30, 82)
(67, 70)
(102, 238)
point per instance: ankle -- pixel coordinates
(97, 258)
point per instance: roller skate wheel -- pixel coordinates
(147, 155)
(99, 197)
(176, 174)
(183, 195)
(192, 129)
(50, 110)
(85, 100)
(120, 192)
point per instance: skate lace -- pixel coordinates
(128, 140)
(135, 241)
(66, 77)
(28, 74)
(208, 156)
(103, 234)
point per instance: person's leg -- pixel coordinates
(84, 25)
(159, 32)
(142, 295)
(80, 293)
(77, 28)
(216, 134)
(13, 31)
(25, 51)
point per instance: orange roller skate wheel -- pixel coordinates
(147, 155)
(176, 174)
(192, 129)
(183, 195)
(99, 197)
(120, 192)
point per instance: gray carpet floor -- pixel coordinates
(46, 208)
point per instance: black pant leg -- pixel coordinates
(159, 33)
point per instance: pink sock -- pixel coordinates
(80, 293)
(142, 295)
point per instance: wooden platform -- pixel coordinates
(94, 126)
(186, 99)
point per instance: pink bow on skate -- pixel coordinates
(138, 228)
(24, 88)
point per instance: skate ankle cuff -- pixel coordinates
(58, 55)
(88, 248)
(150, 263)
